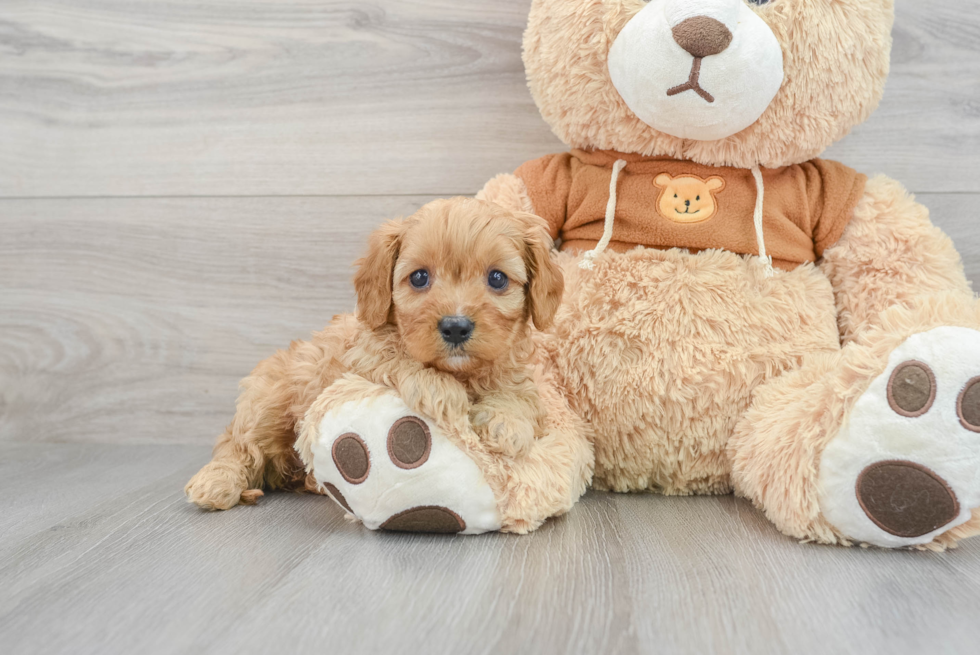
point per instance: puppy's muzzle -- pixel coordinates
(455, 330)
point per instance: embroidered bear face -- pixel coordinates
(687, 198)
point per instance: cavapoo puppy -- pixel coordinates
(445, 301)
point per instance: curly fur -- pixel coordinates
(394, 342)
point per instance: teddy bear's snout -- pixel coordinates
(696, 69)
(702, 36)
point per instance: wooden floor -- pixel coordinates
(101, 554)
(183, 187)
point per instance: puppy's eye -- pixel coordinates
(419, 279)
(758, 2)
(497, 280)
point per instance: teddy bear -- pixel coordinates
(741, 316)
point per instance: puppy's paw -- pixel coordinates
(502, 433)
(219, 485)
(436, 395)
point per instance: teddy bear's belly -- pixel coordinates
(661, 351)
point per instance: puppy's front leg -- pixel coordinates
(437, 395)
(508, 420)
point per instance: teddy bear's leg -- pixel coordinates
(393, 469)
(878, 443)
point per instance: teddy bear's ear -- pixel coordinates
(716, 184)
(662, 180)
(373, 280)
(545, 281)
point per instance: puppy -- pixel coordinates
(445, 302)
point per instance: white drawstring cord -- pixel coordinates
(607, 228)
(760, 240)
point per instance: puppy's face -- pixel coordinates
(460, 279)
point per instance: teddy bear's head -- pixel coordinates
(720, 82)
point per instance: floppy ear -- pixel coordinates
(716, 184)
(545, 281)
(662, 180)
(375, 271)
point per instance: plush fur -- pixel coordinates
(698, 373)
(775, 447)
(835, 59)
(487, 382)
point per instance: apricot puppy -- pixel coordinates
(445, 302)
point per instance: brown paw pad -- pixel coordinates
(968, 405)
(911, 389)
(905, 499)
(425, 519)
(350, 456)
(337, 496)
(409, 442)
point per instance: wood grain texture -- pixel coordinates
(132, 320)
(135, 569)
(334, 97)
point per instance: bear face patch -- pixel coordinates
(687, 198)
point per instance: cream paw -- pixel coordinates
(905, 467)
(394, 470)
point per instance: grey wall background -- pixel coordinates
(185, 183)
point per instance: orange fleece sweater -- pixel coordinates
(667, 203)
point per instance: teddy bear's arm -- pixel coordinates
(889, 254)
(540, 186)
(509, 191)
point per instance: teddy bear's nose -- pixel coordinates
(702, 36)
(687, 203)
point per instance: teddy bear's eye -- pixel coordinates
(698, 198)
(675, 195)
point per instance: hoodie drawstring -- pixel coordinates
(607, 229)
(760, 240)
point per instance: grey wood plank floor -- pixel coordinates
(184, 185)
(124, 565)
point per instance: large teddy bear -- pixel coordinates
(738, 314)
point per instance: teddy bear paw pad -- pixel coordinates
(397, 471)
(905, 467)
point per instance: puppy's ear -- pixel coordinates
(375, 271)
(545, 281)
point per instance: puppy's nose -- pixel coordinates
(455, 329)
(702, 36)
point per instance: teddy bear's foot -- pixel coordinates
(394, 470)
(905, 468)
